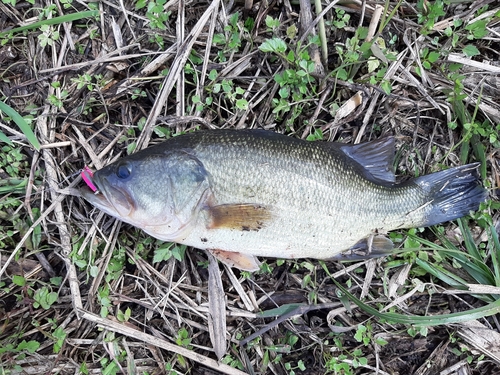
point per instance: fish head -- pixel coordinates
(160, 193)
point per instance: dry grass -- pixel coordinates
(112, 84)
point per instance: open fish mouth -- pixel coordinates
(110, 200)
(92, 193)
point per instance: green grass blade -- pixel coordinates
(13, 185)
(279, 311)
(468, 240)
(442, 274)
(23, 125)
(421, 321)
(5, 139)
(480, 152)
(495, 253)
(53, 21)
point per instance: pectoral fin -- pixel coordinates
(367, 248)
(244, 217)
(244, 262)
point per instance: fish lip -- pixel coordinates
(101, 197)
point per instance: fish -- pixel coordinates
(245, 194)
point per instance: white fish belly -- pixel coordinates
(294, 235)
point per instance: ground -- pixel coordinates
(83, 84)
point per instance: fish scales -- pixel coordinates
(321, 204)
(264, 194)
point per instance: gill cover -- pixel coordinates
(160, 193)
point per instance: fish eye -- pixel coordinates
(123, 171)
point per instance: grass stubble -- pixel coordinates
(85, 83)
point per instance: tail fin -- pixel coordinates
(453, 193)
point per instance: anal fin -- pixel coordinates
(244, 262)
(368, 248)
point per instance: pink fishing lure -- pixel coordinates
(87, 175)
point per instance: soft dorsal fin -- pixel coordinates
(375, 157)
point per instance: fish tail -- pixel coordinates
(452, 193)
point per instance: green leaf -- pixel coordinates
(291, 31)
(373, 64)
(470, 50)
(219, 39)
(342, 74)
(386, 86)
(272, 23)
(5, 139)
(279, 311)
(433, 56)
(178, 252)
(140, 4)
(212, 75)
(19, 280)
(478, 29)
(21, 122)
(31, 346)
(242, 104)
(162, 253)
(276, 45)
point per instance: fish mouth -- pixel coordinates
(112, 200)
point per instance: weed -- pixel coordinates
(291, 368)
(295, 83)
(341, 361)
(429, 13)
(168, 250)
(157, 16)
(44, 297)
(183, 340)
(231, 39)
(48, 36)
(59, 336)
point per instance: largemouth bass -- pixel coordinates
(247, 193)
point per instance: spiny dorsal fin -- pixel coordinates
(376, 158)
(244, 217)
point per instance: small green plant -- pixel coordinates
(291, 368)
(138, 93)
(157, 16)
(124, 316)
(66, 3)
(18, 350)
(168, 250)
(90, 82)
(183, 340)
(57, 100)
(231, 39)
(341, 19)
(13, 161)
(429, 14)
(44, 297)
(48, 36)
(233, 362)
(296, 84)
(428, 59)
(59, 335)
(104, 300)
